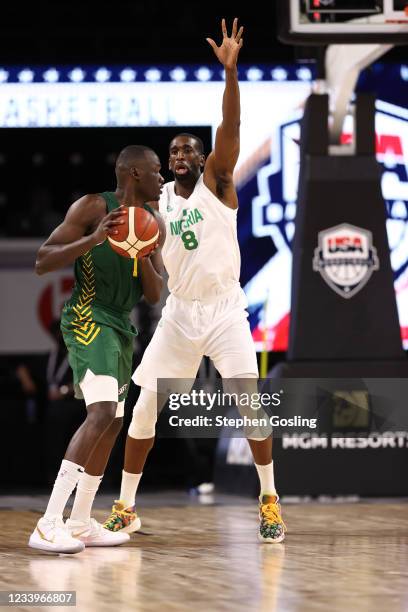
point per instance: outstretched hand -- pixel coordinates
(227, 52)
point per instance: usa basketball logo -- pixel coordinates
(345, 258)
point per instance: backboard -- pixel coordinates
(323, 22)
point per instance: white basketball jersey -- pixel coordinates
(201, 252)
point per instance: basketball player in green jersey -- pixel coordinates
(205, 313)
(99, 337)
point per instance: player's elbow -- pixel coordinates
(46, 260)
(39, 266)
(152, 298)
(224, 179)
(225, 176)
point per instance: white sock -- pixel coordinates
(65, 483)
(266, 478)
(84, 498)
(128, 488)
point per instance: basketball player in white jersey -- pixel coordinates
(205, 311)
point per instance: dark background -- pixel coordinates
(62, 31)
(131, 31)
(62, 164)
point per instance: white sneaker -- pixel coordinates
(51, 535)
(92, 533)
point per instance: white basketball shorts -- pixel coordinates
(189, 329)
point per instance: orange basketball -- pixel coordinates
(138, 235)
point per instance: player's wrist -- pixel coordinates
(96, 239)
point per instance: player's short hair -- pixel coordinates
(199, 142)
(131, 154)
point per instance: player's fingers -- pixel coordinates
(212, 43)
(116, 217)
(112, 227)
(154, 250)
(114, 222)
(238, 36)
(224, 28)
(234, 27)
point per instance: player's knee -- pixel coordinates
(116, 426)
(143, 424)
(102, 414)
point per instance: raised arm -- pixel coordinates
(219, 168)
(86, 224)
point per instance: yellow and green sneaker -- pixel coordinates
(122, 519)
(271, 528)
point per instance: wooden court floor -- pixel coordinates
(336, 557)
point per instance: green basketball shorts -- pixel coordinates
(97, 346)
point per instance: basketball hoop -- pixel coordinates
(356, 35)
(310, 22)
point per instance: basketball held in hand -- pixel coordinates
(137, 236)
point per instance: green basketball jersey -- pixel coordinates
(106, 289)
